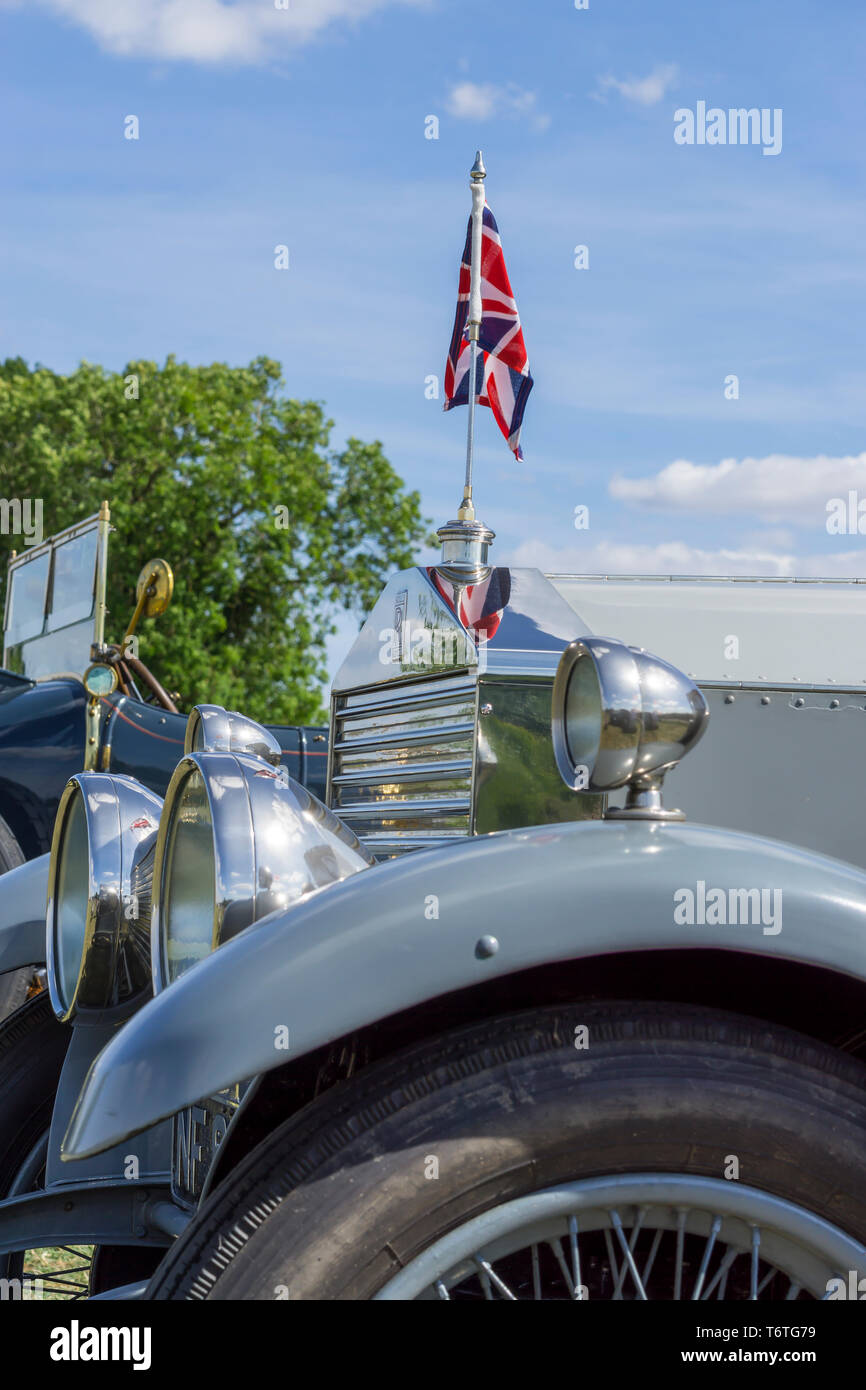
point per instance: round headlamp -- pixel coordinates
(212, 729)
(237, 840)
(99, 893)
(623, 718)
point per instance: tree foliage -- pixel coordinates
(215, 468)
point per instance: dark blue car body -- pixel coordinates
(42, 743)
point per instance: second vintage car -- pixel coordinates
(70, 700)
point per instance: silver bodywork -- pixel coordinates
(372, 946)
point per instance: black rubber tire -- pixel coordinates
(15, 983)
(335, 1201)
(32, 1050)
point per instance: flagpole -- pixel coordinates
(477, 175)
(465, 542)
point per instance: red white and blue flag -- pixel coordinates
(503, 382)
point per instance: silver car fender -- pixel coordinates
(23, 893)
(441, 920)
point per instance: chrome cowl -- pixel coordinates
(238, 839)
(99, 893)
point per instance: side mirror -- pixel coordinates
(154, 589)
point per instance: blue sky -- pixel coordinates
(306, 127)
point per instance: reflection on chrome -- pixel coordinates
(622, 717)
(237, 840)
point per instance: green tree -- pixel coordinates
(215, 468)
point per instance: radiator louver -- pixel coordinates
(402, 762)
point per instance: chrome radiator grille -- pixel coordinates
(401, 763)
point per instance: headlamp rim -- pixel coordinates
(628, 694)
(207, 764)
(229, 731)
(107, 800)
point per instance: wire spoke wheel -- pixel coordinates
(634, 1238)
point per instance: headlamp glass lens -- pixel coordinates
(73, 891)
(188, 880)
(583, 714)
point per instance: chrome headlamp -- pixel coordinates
(237, 840)
(212, 729)
(99, 893)
(623, 718)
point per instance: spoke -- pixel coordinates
(770, 1275)
(495, 1279)
(626, 1250)
(721, 1275)
(442, 1291)
(647, 1269)
(486, 1284)
(61, 1286)
(536, 1275)
(575, 1257)
(681, 1234)
(753, 1278)
(556, 1246)
(611, 1257)
(792, 1292)
(631, 1245)
(708, 1250)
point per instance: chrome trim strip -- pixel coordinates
(403, 738)
(407, 772)
(404, 810)
(423, 699)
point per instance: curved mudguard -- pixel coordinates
(412, 929)
(23, 894)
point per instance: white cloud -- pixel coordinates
(208, 31)
(643, 91)
(481, 101)
(778, 487)
(678, 557)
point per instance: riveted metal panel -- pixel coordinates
(781, 762)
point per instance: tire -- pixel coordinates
(15, 984)
(32, 1051)
(335, 1202)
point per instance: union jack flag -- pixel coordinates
(504, 382)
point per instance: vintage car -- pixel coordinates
(497, 1023)
(71, 701)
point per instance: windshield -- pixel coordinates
(28, 587)
(72, 585)
(50, 606)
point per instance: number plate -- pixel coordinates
(198, 1132)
